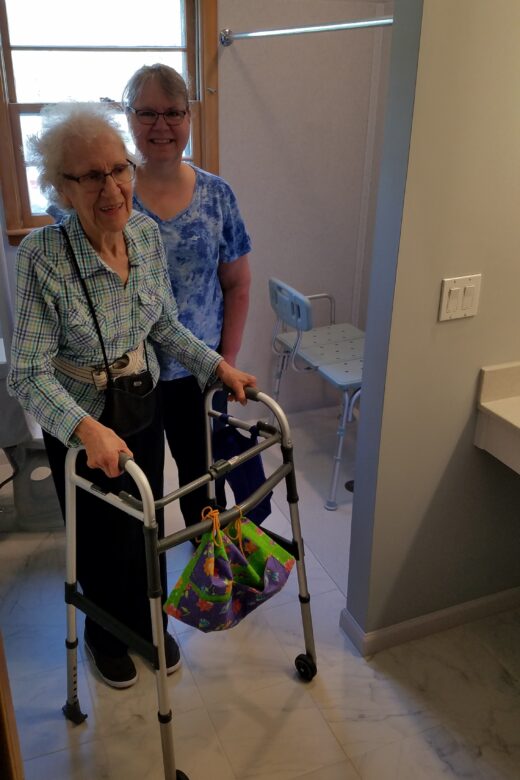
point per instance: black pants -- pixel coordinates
(111, 565)
(184, 424)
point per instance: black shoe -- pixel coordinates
(119, 672)
(173, 656)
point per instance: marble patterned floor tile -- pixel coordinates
(318, 582)
(266, 740)
(365, 710)
(455, 672)
(433, 755)
(31, 649)
(247, 657)
(343, 771)
(466, 687)
(15, 551)
(326, 533)
(277, 521)
(117, 711)
(314, 436)
(501, 635)
(136, 754)
(332, 645)
(37, 595)
(82, 762)
(281, 697)
(38, 700)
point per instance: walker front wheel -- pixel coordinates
(305, 667)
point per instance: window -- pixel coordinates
(53, 51)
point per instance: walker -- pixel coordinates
(144, 510)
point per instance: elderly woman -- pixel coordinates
(207, 249)
(105, 252)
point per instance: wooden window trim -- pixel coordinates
(202, 42)
(208, 70)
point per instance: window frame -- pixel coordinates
(202, 59)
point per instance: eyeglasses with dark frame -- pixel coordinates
(93, 181)
(173, 117)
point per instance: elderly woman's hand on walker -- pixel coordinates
(102, 446)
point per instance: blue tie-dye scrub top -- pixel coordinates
(209, 232)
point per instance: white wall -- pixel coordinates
(439, 524)
(300, 128)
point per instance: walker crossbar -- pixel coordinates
(227, 516)
(110, 623)
(216, 470)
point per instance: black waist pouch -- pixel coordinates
(130, 403)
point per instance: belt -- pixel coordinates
(131, 362)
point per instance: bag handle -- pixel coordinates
(210, 513)
(237, 525)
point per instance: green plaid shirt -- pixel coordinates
(53, 318)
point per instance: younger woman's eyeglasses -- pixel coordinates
(146, 116)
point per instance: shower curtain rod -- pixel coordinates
(228, 36)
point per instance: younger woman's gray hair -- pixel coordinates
(170, 81)
(61, 124)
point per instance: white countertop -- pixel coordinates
(507, 409)
(498, 418)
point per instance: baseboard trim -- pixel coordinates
(371, 642)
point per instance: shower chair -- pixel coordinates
(334, 351)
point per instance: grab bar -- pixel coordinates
(227, 36)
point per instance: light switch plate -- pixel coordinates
(459, 297)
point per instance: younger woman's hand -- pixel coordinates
(103, 446)
(236, 380)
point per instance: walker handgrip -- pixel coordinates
(252, 393)
(123, 460)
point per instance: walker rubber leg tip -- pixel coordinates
(72, 712)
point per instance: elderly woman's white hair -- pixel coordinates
(62, 123)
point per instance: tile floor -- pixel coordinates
(447, 706)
